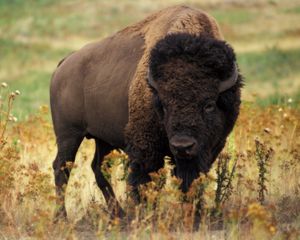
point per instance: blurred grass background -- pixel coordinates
(36, 34)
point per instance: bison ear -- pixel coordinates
(231, 81)
(150, 79)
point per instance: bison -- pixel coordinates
(166, 86)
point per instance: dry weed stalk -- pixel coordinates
(263, 156)
(5, 112)
(225, 175)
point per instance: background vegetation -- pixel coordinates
(253, 192)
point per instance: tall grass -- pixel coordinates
(234, 198)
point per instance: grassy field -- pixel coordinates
(253, 194)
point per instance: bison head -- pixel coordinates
(196, 93)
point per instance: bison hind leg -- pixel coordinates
(103, 148)
(67, 145)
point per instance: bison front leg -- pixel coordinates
(146, 141)
(139, 170)
(137, 176)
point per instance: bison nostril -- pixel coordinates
(183, 145)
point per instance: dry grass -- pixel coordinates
(232, 206)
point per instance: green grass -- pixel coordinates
(19, 56)
(34, 88)
(16, 15)
(271, 65)
(234, 16)
(59, 19)
(290, 100)
(28, 67)
(36, 34)
(295, 10)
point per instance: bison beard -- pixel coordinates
(187, 171)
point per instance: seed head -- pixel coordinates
(4, 84)
(272, 229)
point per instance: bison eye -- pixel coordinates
(210, 107)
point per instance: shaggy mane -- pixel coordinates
(215, 57)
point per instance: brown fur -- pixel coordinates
(172, 20)
(101, 91)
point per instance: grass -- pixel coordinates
(35, 35)
(234, 16)
(271, 65)
(291, 100)
(232, 198)
(34, 82)
(273, 75)
(295, 10)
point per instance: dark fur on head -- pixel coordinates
(186, 71)
(213, 56)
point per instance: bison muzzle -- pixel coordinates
(166, 86)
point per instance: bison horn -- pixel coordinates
(224, 85)
(150, 79)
